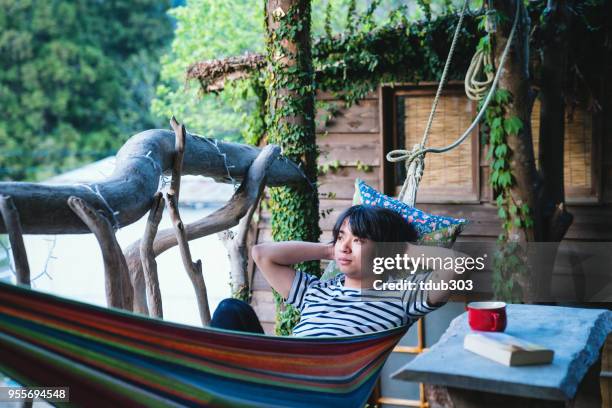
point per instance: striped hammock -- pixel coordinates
(109, 357)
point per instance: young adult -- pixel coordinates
(339, 306)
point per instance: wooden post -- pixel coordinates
(194, 270)
(119, 292)
(10, 215)
(147, 255)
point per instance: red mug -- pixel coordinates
(487, 316)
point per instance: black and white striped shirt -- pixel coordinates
(329, 309)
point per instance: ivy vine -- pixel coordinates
(509, 265)
(290, 124)
(351, 65)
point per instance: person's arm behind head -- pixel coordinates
(276, 259)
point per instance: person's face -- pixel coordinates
(350, 251)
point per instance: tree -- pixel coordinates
(76, 79)
(532, 201)
(290, 124)
(209, 29)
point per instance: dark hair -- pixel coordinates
(376, 224)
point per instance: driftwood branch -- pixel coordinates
(224, 218)
(237, 251)
(212, 74)
(179, 146)
(10, 216)
(149, 265)
(119, 291)
(127, 195)
(194, 269)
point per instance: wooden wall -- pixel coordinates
(352, 136)
(356, 135)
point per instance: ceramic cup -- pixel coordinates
(487, 316)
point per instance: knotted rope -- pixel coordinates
(475, 89)
(415, 159)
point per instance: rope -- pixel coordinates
(444, 74)
(475, 89)
(415, 156)
(415, 168)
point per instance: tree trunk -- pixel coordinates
(515, 79)
(295, 210)
(555, 220)
(552, 120)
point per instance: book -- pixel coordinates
(506, 349)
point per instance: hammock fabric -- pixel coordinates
(109, 357)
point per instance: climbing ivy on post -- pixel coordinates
(510, 270)
(290, 122)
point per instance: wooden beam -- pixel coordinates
(10, 216)
(127, 195)
(224, 218)
(149, 265)
(119, 292)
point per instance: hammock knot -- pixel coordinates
(399, 155)
(415, 162)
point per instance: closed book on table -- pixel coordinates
(506, 349)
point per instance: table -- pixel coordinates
(456, 377)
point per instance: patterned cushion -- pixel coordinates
(431, 229)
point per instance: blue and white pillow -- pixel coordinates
(431, 229)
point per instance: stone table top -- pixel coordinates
(575, 334)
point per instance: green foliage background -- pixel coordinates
(76, 80)
(209, 29)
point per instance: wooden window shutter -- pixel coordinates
(450, 176)
(578, 152)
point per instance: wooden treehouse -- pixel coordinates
(353, 145)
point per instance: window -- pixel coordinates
(450, 176)
(578, 152)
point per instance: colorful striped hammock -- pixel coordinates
(109, 357)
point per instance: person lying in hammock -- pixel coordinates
(339, 307)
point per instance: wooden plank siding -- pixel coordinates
(355, 136)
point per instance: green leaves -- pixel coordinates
(508, 263)
(502, 96)
(513, 125)
(76, 79)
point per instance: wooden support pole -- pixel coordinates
(147, 255)
(119, 291)
(224, 218)
(10, 215)
(194, 270)
(177, 166)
